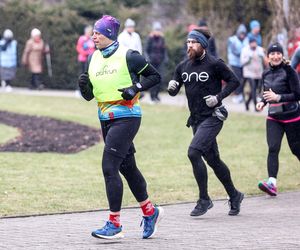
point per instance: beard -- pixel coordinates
(194, 54)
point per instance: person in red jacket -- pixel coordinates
(294, 42)
(85, 47)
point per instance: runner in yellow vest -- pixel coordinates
(113, 79)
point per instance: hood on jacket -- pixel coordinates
(241, 29)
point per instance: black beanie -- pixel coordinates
(202, 22)
(275, 47)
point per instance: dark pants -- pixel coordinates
(275, 132)
(254, 85)
(204, 144)
(118, 156)
(238, 71)
(36, 80)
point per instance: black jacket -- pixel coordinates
(283, 80)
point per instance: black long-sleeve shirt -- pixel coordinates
(204, 77)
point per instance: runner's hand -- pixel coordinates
(260, 106)
(271, 96)
(130, 92)
(211, 100)
(173, 85)
(83, 80)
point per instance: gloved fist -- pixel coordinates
(83, 80)
(211, 100)
(130, 92)
(173, 85)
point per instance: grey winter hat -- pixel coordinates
(241, 29)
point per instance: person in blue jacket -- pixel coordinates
(8, 59)
(255, 32)
(234, 48)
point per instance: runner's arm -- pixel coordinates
(138, 66)
(229, 77)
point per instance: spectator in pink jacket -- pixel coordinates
(33, 56)
(85, 47)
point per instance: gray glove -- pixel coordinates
(211, 100)
(173, 85)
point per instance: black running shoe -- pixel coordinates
(235, 203)
(202, 207)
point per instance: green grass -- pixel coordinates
(32, 183)
(7, 133)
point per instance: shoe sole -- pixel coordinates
(209, 207)
(263, 188)
(240, 201)
(159, 217)
(116, 236)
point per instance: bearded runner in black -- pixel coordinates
(202, 75)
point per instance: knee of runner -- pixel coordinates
(274, 149)
(109, 172)
(213, 160)
(194, 154)
(111, 165)
(129, 162)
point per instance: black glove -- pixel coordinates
(130, 92)
(85, 86)
(83, 81)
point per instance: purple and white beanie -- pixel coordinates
(108, 26)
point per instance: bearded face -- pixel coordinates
(194, 52)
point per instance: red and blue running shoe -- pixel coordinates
(151, 222)
(109, 231)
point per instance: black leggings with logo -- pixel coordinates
(118, 156)
(275, 132)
